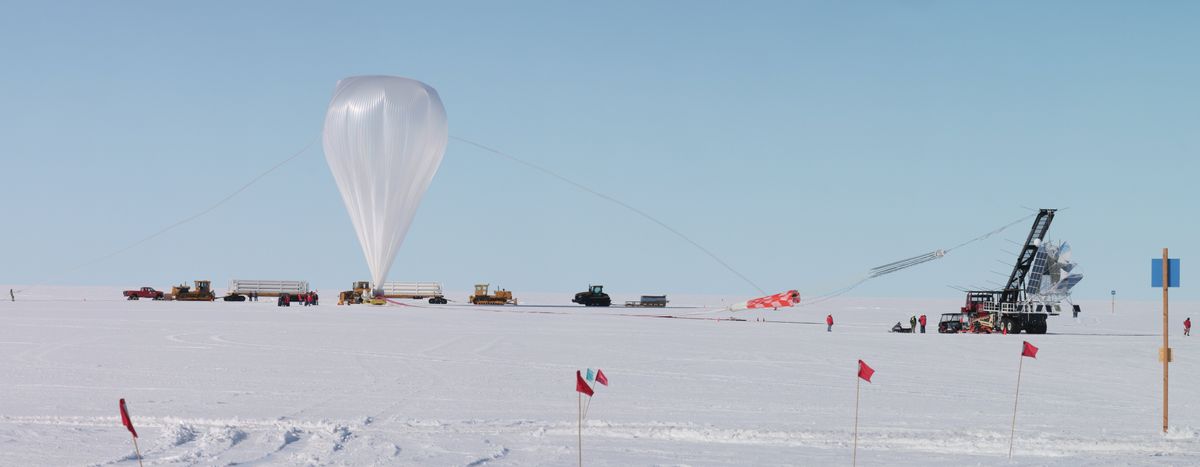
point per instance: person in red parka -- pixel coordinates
(1187, 327)
(829, 323)
(922, 320)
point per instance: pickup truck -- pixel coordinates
(144, 292)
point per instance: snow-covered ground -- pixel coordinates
(250, 383)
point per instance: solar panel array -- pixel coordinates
(1033, 284)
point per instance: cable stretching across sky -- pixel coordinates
(618, 202)
(904, 264)
(872, 273)
(180, 222)
(813, 299)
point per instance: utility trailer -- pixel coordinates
(240, 288)
(648, 301)
(1040, 281)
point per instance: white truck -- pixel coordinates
(240, 288)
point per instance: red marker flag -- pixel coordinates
(1029, 350)
(581, 385)
(865, 371)
(125, 419)
(600, 378)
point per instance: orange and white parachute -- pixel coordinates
(779, 300)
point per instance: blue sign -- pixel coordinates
(1156, 271)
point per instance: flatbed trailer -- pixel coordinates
(415, 290)
(267, 288)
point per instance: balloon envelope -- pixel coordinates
(384, 138)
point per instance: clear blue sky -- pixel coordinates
(802, 141)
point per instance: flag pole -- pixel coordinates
(1166, 351)
(135, 449)
(1013, 431)
(587, 406)
(857, 385)
(580, 432)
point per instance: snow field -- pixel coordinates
(253, 384)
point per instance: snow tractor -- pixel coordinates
(594, 296)
(203, 292)
(358, 291)
(1041, 279)
(482, 297)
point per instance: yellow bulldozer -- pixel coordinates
(481, 297)
(359, 292)
(184, 293)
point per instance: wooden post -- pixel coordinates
(1166, 352)
(136, 450)
(857, 385)
(1013, 431)
(580, 429)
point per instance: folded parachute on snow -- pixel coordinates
(384, 138)
(779, 300)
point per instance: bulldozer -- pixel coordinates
(184, 293)
(481, 297)
(361, 290)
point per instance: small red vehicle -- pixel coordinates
(144, 292)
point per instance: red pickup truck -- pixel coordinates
(145, 292)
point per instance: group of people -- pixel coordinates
(914, 321)
(922, 321)
(912, 325)
(307, 298)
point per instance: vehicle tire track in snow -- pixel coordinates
(502, 453)
(209, 441)
(206, 440)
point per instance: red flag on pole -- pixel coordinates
(1029, 350)
(581, 385)
(865, 371)
(600, 378)
(125, 419)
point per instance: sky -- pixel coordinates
(802, 142)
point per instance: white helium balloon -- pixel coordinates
(384, 138)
